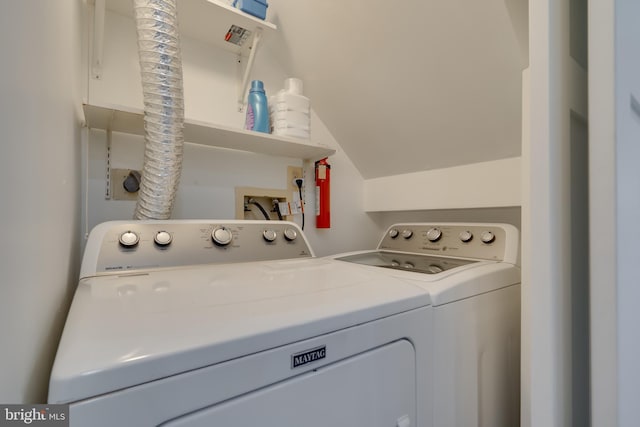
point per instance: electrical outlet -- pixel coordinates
(250, 199)
(294, 172)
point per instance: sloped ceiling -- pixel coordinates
(413, 85)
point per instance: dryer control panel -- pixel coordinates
(119, 246)
(497, 242)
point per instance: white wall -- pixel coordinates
(614, 119)
(628, 206)
(433, 84)
(39, 185)
(477, 185)
(209, 174)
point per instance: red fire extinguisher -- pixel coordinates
(323, 194)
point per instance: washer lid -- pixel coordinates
(446, 279)
(130, 329)
(415, 263)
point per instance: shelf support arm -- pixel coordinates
(242, 88)
(98, 39)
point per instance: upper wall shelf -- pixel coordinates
(127, 120)
(206, 20)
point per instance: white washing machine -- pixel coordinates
(235, 323)
(470, 274)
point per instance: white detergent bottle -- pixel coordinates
(290, 111)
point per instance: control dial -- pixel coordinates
(434, 234)
(269, 235)
(435, 269)
(163, 238)
(221, 236)
(466, 236)
(290, 234)
(407, 233)
(488, 237)
(393, 233)
(129, 239)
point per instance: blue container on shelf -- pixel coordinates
(257, 8)
(257, 109)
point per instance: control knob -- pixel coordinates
(221, 236)
(466, 236)
(488, 237)
(163, 238)
(393, 233)
(269, 235)
(129, 239)
(407, 233)
(290, 234)
(434, 234)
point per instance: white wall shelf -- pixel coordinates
(208, 21)
(128, 120)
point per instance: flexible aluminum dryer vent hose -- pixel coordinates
(161, 70)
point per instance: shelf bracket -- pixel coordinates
(98, 39)
(242, 84)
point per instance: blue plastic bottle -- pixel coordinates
(257, 109)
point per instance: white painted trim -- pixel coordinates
(478, 185)
(557, 92)
(602, 212)
(525, 245)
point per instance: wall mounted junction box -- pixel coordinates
(248, 199)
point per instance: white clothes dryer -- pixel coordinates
(471, 276)
(218, 323)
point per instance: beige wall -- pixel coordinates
(39, 187)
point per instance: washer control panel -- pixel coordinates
(119, 246)
(476, 241)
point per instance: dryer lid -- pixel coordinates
(124, 330)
